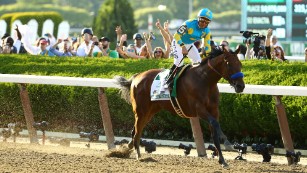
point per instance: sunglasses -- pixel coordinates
(130, 50)
(202, 20)
(158, 51)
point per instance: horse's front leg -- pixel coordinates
(216, 139)
(130, 144)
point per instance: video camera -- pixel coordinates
(187, 148)
(242, 148)
(265, 150)
(252, 38)
(149, 146)
(92, 136)
(43, 126)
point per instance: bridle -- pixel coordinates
(233, 76)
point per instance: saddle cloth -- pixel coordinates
(155, 93)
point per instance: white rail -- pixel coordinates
(110, 83)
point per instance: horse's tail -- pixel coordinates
(124, 86)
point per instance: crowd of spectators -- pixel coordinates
(89, 45)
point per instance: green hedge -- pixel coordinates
(244, 117)
(40, 17)
(76, 16)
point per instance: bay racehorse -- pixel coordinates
(197, 90)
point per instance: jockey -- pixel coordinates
(189, 32)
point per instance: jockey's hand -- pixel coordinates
(184, 51)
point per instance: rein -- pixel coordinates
(234, 76)
(214, 69)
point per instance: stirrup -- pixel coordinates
(195, 64)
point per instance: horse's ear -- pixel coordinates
(238, 50)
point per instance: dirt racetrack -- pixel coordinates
(23, 157)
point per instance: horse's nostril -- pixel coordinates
(240, 87)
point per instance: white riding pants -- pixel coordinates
(178, 56)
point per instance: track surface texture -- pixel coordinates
(24, 157)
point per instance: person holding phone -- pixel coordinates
(87, 47)
(65, 48)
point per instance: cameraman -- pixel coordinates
(251, 53)
(273, 52)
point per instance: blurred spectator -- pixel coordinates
(18, 44)
(118, 31)
(129, 51)
(39, 49)
(275, 42)
(252, 54)
(8, 46)
(242, 52)
(137, 37)
(167, 37)
(225, 44)
(50, 38)
(75, 44)
(95, 39)
(144, 51)
(306, 54)
(65, 49)
(273, 52)
(159, 53)
(104, 46)
(87, 47)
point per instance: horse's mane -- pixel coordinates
(214, 53)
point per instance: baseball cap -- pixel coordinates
(43, 41)
(104, 39)
(137, 36)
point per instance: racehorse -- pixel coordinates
(197, 90)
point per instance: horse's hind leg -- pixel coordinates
(140, 122)
(216, 129)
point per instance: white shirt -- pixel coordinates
(83, 49)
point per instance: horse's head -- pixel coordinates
(232, 72)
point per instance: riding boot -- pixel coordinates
(170, 76)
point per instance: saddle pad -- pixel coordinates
(155, 93)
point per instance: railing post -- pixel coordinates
(106, 120)
(198, 137)
(284, 127)
(26, 105)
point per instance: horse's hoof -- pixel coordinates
(130, 145)
(138, 156)
(225, 165)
